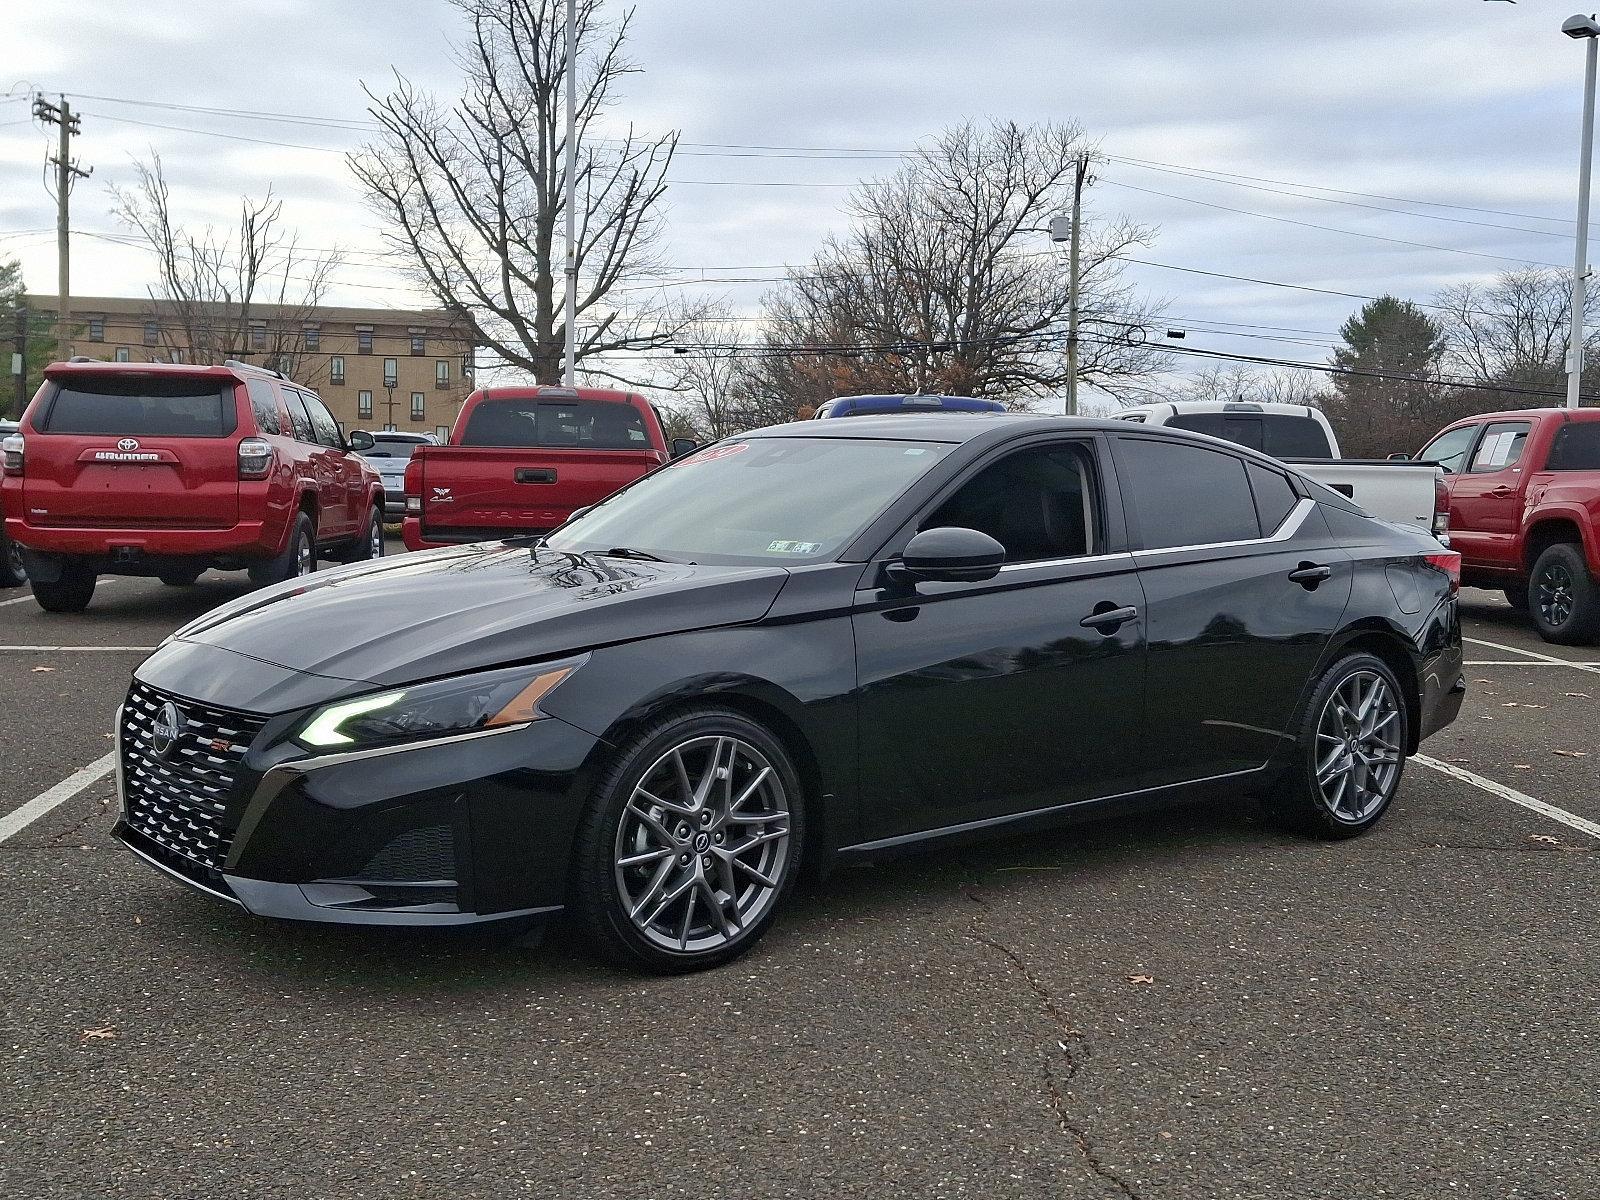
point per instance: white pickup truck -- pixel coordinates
(1407, 493)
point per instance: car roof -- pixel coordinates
(950, 427)
(1524, 414)
(851, 405)
(399, 435)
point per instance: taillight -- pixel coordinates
(255, 458)
(1441, 508)
(12, 449)
(411, 485)
(1449, 562)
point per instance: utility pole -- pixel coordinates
(19, 364)
(1072, 298)
(67, 171)
(389, 406)
(569, 370)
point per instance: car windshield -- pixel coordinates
(387, 449)
(763, 499)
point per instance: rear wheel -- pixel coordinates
(181, 576)
(1351, 748)
(299, 557)
(370, 543)
(690, 843)
(1565, 599)
(1517, 597)
(12, 572)
(69, 593)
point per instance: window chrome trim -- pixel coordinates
(1030, 564)
(1291, 526)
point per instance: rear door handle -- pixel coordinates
(1311, 574)
(1110, 620)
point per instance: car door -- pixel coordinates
(333, 490)
(980, 700)
(343, 465)
(311, 465)
(1486, 497)
(1244, 584)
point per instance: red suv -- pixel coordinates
(165, 470)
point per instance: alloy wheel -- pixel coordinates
(1358, 754)
(305, 558)
(14, 561)
(1555, 594)
(703, 844)
(375, 538)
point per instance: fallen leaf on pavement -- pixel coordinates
(42, 670)
(1460, 760)
(1578, 695)
(102, 1035)
(1572, 753)
(1544, 837)
(1141, 979)
(1522, 766)
(138, 920)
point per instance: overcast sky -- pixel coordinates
(1471, 103)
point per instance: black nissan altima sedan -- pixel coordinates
(820, 641)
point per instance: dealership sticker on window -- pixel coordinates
(781, 547)
(716, 452)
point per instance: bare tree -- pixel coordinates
(473, 194)
(212, 288)
(1513, 331)
(944, 281)
(710, 379)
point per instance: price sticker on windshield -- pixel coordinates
(782, 547)
(716, 452)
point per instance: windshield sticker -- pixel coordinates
(781, 547)
(716, 452)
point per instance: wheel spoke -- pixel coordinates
(750, 790)
(649, 856)
(658, 882)
(646, 818)
(670, 805)
(763, 880)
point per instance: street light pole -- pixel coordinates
(569, 367)
(1586, 28)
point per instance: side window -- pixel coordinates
(1576, 448)
(1038, 503)
(1275, 498)
(323, 425)
(265, 406)
(1449, 449)
(1186, 495)
(1501, 446)
(298, 417)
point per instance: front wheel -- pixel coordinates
(690, 842)
(1564, 597)
(1351, 750)
(1517, 597)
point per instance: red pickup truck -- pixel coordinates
(521, 460)
(165, 470)
(1525, 512)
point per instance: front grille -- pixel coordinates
(178, 799)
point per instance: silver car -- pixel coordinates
(391, 451)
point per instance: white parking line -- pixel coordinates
(1500, 662)
(1547, 658)
(77, 649)
(14, 822)
(1571, 820)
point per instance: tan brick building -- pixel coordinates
(375, 368)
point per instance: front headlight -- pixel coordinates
(493, 700)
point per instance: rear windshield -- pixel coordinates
(385, 449)
(195, 406)
(574, 424)
(1278, 434)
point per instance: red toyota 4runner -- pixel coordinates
(521, 460)
(1525, 512)
(166, 470)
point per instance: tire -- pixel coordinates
(370, 544)
(299, 557)
(69, 594)
(181, 576)
(1517, 597)
(1564, 599)
(12, 572)
(672, 837)
(1311, 799)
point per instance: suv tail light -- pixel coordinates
(12, 449)
(1449, 562)
(255, 458)
(1441, 509)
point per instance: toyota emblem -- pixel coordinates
(164, 730)
(129, 444)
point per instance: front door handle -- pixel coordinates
(1109, 620)
(1308, 575)
(1502, 492)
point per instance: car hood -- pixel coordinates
(468, 608)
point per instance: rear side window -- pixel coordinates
(573, 424)
(298, 417)
(1501, 446)
(265, 406)
(1275, 498)
(143, 406)
(1186, 495)
(1277, 434)
(1576, 448)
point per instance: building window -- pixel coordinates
(466, 366)
(313, 338)
(419, 344)
(336, 370)
(97, 329)
(121, 354)
(152, 333)
(177, 356)
(441, 373)
(363, 341)
(418, 401)
(391, 373)
(258, 337)
(364, 404)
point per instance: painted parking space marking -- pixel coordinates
(1498, 662)
(52, 798)
(77, 649)
(1571, 820)
(1534, 654)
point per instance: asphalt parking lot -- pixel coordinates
(1184, 1005)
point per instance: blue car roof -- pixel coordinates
(854, 406)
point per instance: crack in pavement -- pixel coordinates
(1072, 1047)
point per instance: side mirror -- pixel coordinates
(361, 441)
(950, 555)
(1400, 456)
(683, 446)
